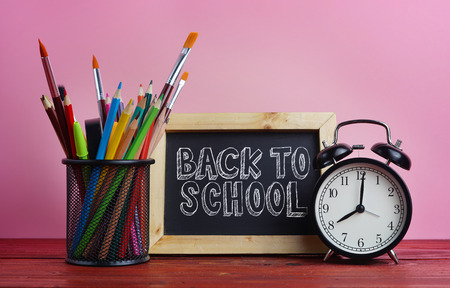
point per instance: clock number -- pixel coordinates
(397, 209)
(359, 174)
(378, 180)
(325, 208)
(379, 238)
(345, 236)
(391, 191)
(344, 181)
(391, 226)
(330, 225)
(361, 242)
(333, 193)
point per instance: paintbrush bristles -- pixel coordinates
(185, 76)
(94, 63)
(42, 49)
(190, 40)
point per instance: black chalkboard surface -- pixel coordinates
(236, 183)
(239, 183)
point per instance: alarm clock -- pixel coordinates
(362, 207)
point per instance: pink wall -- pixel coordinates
(385, 60)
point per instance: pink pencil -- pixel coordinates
(108, 103)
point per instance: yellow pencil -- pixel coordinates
(113, 129)
(126, 139)
(112, 147)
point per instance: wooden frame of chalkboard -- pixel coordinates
(321, 124)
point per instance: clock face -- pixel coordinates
(362, 208)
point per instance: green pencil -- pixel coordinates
(134, 147)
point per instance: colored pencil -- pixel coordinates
(120, 110)
(113, 129)
(167, 89)
(132, 151)
(68, 110)
(139, 110)
(148, 102)
(123, 121)
(54, 120)
(143, 149)
(135, 235)
(56, 98)
(109, 124)
(140, 94)
(107, 103)
(99, 90)
(127, 137)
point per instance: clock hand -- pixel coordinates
(347, 216)
(361, 191)
(372, 213)
(359, 209)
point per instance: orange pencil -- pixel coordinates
(70, 120)
(126, 139)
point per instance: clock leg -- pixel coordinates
(328, 255)
(393, 256)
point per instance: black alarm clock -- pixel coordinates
(362, 207)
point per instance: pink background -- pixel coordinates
(384, 60)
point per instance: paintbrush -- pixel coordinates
(100, 93)
(167, 89)
(161, 122)
(56, 97)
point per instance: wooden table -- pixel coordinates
(40, 262)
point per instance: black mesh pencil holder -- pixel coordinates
(107, 212)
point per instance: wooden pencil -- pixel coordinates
(140, 94)
(118, 133)
(54, 120)
(126, 139)
(68, 109)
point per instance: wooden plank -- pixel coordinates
(309, 244)
(249, 121)
(430, 269)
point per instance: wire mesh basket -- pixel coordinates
(107, 211)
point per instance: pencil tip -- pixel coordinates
(42, 49)
(94, 62)
(151, 82)
(120, 86)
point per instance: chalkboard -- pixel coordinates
(244, 180)
(239, 183)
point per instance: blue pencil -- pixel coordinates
(93, 182)
(109, 124)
